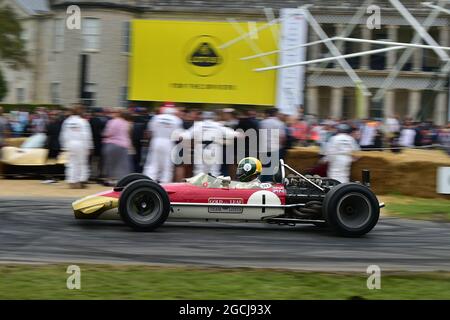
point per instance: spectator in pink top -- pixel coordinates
(116, 147)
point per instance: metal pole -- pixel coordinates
(347, 31)
(446, 69)
(345, 56)
(424, 34)
(255, 31)
(250, 42)
(432, 6)
(419, 29)
(405, 57)
(287, 49)
(391, 43)
(335, 52)
(270, 16)
(248, 34)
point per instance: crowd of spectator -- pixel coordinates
(392, 134)
(121, 137)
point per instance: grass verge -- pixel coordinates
(145, 282)
(417, 208)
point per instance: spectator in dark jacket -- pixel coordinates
(52, 130)
(140, 121)
(4, 128)
(248, 123)
(98, 123)
(418, 128)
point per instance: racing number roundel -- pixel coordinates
(203, 56)
(264, 197)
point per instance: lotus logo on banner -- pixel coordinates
(203, 56)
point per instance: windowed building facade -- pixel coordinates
(92, 64)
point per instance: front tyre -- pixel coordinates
(144, 205)
(351, 209)
(131, 178)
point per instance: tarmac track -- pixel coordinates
(46, 231)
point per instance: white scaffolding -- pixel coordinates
(340, 57)
(335, 48)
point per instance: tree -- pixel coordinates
(3, 86)
(12, 46)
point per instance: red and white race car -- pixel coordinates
(350, 209)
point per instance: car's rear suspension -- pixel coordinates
(292, 221)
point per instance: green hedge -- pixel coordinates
(28, 107)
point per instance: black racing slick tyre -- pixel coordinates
(131, 178)
(351, 209)
(144, 205)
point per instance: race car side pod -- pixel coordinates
(366, 178)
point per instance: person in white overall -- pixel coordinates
(208, 136)
(339, 151)
(76, 139)
(163, 129)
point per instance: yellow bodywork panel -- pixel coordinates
(93, 205)
(29, 157)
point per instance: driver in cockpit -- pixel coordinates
(248, 172)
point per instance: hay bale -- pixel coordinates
(379, 169)
(411, 172)
(303, 158)
(418, 179)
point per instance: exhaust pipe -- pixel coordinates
(366, 178)
(366, 182)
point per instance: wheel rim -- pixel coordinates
(144, 206)
(354, 210)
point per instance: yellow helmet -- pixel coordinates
(248, 169)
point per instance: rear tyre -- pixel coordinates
(131, 178)
(351, 209)
(144, 205)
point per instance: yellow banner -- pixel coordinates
(180, 61)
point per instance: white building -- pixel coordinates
(57, 53)
(29, 85)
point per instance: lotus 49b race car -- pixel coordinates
(349, 209)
